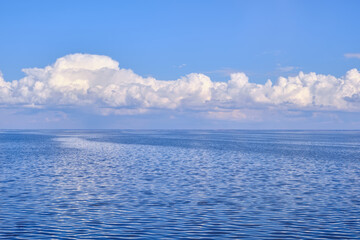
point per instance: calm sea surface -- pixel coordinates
(179, 184)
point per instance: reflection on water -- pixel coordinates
(179, 184)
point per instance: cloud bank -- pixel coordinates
(79, 80)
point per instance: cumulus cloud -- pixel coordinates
(97, 81)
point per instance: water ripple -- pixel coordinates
(179, 184)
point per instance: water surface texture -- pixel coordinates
(179, 184)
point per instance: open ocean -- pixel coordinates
(96, 184)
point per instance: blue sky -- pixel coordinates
(167, 40)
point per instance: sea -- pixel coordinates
(179, 184)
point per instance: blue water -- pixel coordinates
(179, 184)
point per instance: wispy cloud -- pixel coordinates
(272, 52)
(182, 65)
(223, 71)
(285, 69)
(352, 55)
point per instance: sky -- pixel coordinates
(180, 64)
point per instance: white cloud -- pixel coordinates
(352, 55)
(97, 81)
